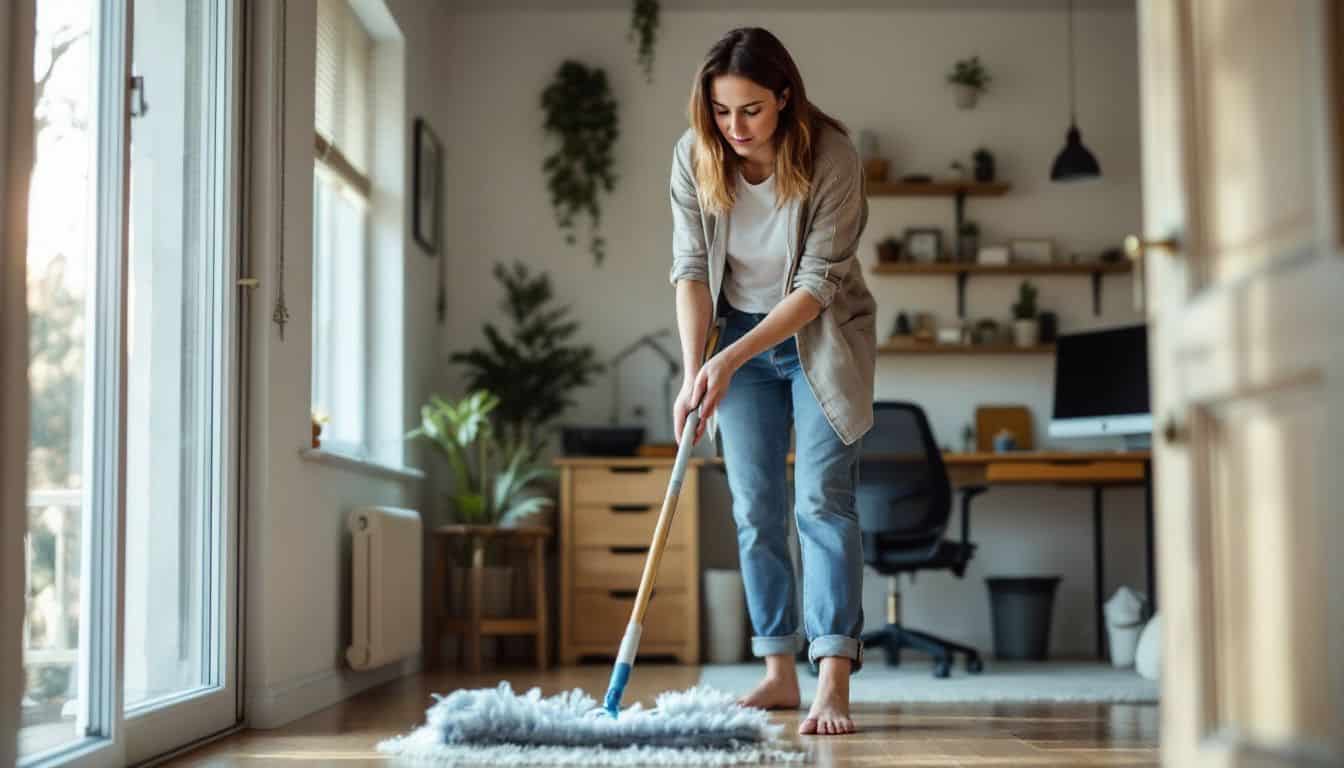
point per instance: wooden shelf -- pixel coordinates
(956, 268)
(950, 188)
(911, 347)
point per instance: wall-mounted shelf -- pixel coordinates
(954, 188)
(963, 271)
(898, 346)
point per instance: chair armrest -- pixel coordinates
(967, 494)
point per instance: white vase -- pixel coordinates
(966, 96)
(1026, 332)
(726, 615)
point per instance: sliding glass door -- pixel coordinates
(130, 641)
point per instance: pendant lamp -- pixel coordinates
(1074, 162)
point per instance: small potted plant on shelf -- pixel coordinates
(1026, 331)
(971, 79)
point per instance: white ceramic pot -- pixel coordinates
(1026, 332)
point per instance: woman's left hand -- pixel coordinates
(710, 386)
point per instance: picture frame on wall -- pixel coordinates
(923, 245)
(428, 172)
(1032, 250)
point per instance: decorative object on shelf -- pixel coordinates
(924, 245)
(889, 251)
(958, 170)
(990, 420)
(968, 438)
(874, 165)
(917, 178)
(644, 30)
(969, 242)
(902, 327)
(925, 326)
(952, 334)
(1032, 250)
(1075, 161)
(971, 79)
(1049, 327)
(535, 369)
(581, 114)
(319, 418)
(1004, 441)
(1113, 255)
(987, 331)
(992, 254)
(984, 165)
(428, 171)
(648, 340)
(1025, 326)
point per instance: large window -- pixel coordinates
(342, 206)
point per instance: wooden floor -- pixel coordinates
(890, 735)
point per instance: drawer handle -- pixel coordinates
(629, 509)
(629, 594)
(629, 550)
(631, 470)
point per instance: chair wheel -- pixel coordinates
(974, 665)
(941, 668)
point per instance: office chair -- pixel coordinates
(904, 500)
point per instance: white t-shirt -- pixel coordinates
(757, 248)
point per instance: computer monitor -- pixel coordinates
(1101, 385)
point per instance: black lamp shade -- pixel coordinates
(1074, 161)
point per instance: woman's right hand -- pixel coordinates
(683, 405)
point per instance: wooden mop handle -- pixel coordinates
(660, 532)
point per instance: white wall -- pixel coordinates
(877, 70)
(297, 612)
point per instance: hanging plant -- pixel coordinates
(581, 113)
(644, 26)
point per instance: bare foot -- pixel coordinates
(829, 714)
(779, 689)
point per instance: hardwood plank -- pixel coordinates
(905, 735)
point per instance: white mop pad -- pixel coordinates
(698, 726)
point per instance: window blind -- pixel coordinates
(344, 67)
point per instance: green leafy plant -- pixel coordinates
(581, 114)
(463, 432)
(1025, 306)
(970, 72)
(535, 368)
(644, 29)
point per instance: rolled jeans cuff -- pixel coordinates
(773, 646)
(837, 645)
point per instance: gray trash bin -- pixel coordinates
(1021, 607)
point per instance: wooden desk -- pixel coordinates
(1090, 469)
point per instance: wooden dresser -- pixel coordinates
(608, 510)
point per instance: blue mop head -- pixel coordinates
(701, 726)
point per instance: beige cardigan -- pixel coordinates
(838, 348)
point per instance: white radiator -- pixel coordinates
(385, 584)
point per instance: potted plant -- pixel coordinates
(970, 78)
(581, 114)
(644, 32)
(535, 368)
(1026, 332)
(494, 481)
(984, 164)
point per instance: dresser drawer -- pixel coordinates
(600, 618)
(626, 525)
(621, 485)
(622, 568)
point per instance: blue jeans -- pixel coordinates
(767, 397)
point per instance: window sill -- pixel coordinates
(331, 458)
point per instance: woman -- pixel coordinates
(768, 205)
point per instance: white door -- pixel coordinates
(1241, 125)
(131, 551)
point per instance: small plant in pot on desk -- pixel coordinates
(1026, 330)
(970, 78)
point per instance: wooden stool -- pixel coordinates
(472, 627)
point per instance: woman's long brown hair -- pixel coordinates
(759, 56)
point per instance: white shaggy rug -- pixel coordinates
(913, 681)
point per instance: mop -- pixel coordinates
(698, 726)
